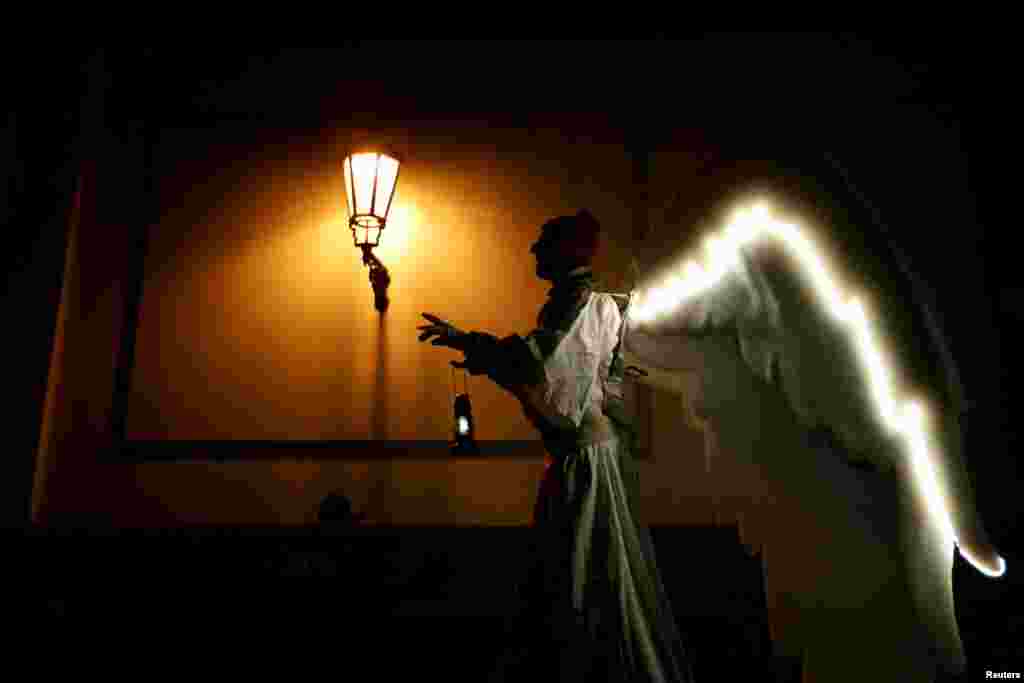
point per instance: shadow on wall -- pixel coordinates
(380, 415)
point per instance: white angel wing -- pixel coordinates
(868, 494)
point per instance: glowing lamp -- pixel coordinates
(370, 182)
(465, 432)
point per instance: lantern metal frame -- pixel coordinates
(379, 276)
(463, 442)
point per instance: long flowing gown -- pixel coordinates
(596, 606)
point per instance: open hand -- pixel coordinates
(445, 334)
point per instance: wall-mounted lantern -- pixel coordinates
(370, 181)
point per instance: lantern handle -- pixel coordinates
(465, 383)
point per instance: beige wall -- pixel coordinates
(257, 318)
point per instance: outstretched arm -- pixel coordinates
(510, 363)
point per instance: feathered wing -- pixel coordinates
(860, 497)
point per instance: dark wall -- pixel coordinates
(41, 142)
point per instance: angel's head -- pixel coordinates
(565, 243)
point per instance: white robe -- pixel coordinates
(596, 583)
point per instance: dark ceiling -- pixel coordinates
(649, 84)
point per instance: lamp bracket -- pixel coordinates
(379, 278)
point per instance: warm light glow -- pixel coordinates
(370, 180)
(906, 419)
(463, 425)
(404, 229)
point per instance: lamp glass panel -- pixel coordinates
(364, 168)
(387, 175)
(348, 185)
